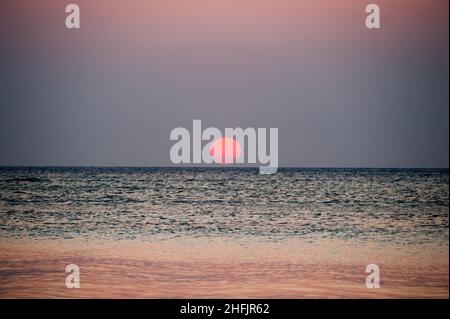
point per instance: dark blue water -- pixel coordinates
(400, 205)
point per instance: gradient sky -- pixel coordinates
(111, 92)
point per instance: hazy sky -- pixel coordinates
(111, 92)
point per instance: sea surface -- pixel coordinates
(402, 206)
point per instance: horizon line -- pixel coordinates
(216, 166)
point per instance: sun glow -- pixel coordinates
(225, 150)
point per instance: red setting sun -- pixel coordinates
(225, 150)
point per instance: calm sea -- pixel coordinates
(382, 205)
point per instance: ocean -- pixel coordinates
(378, 205)
(223, 232)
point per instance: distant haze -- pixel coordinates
(111, 92)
